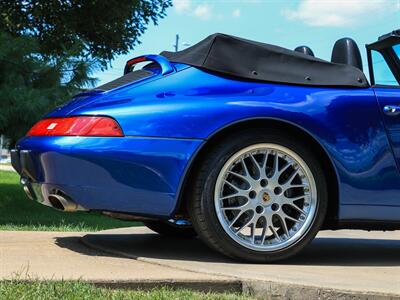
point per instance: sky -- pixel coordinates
(286, 23)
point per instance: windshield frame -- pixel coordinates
(385, 47)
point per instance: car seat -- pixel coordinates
(304, 50)
(346, 51)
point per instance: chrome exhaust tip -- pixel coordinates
(27, 189)
(61, 202)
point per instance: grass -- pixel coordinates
(17, 212)
(43, 290)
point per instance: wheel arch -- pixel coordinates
(317, 148)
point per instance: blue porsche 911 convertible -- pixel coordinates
(250, 146)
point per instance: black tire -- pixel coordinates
(170, 229)
(202, 208)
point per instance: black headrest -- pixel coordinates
(304, 50)
(345, 51)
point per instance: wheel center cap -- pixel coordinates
(266, 197)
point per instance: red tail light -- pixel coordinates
(76, 126)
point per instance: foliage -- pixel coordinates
(96, 28)
(32, 84)
(17, 212)
(49, 49)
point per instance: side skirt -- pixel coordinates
(370, 225)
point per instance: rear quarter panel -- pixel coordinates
(193, 104)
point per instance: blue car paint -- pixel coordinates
(391, 96)
(117, 174)
(167, 118)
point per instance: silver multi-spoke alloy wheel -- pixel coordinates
(265, 197)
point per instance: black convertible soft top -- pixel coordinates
(245, 59)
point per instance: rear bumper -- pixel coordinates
(22, 163)
(133, 175)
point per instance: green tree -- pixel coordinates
(32, 84)
(97, 28)
(49, 49)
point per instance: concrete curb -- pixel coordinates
(256, 288)
(277, 290)
(220, 286)
(7, 168)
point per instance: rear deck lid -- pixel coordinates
(157, 66)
